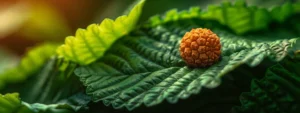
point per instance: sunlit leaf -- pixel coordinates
(9, 102)
(90, 44)
(239, 17)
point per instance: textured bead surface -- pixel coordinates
(200, 47)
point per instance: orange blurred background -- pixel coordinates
(24, 23)
(27, 22)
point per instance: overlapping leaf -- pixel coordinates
(238, 16)
(53, 89)
(146, 68)
(50, 83)
(90, 44)
(29, 64)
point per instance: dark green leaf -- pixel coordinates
(145, 68)
(277, 92)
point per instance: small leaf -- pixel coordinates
(91, 44)
(9, 103)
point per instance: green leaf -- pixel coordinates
(174, 15)
(72, 104)
(277, 92)
(51, 108)
(239, 17)
(9, 103)
(29, 64)
(52, 89)
(50, 84)
(146, 68)
(284, 11)
(90, 44)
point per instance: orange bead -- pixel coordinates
(200, 48)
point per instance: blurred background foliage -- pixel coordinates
(25, 23)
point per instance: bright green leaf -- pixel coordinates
(90, 44)
(11, 103)
(239, 17)
(284, 11)
(173, 15)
